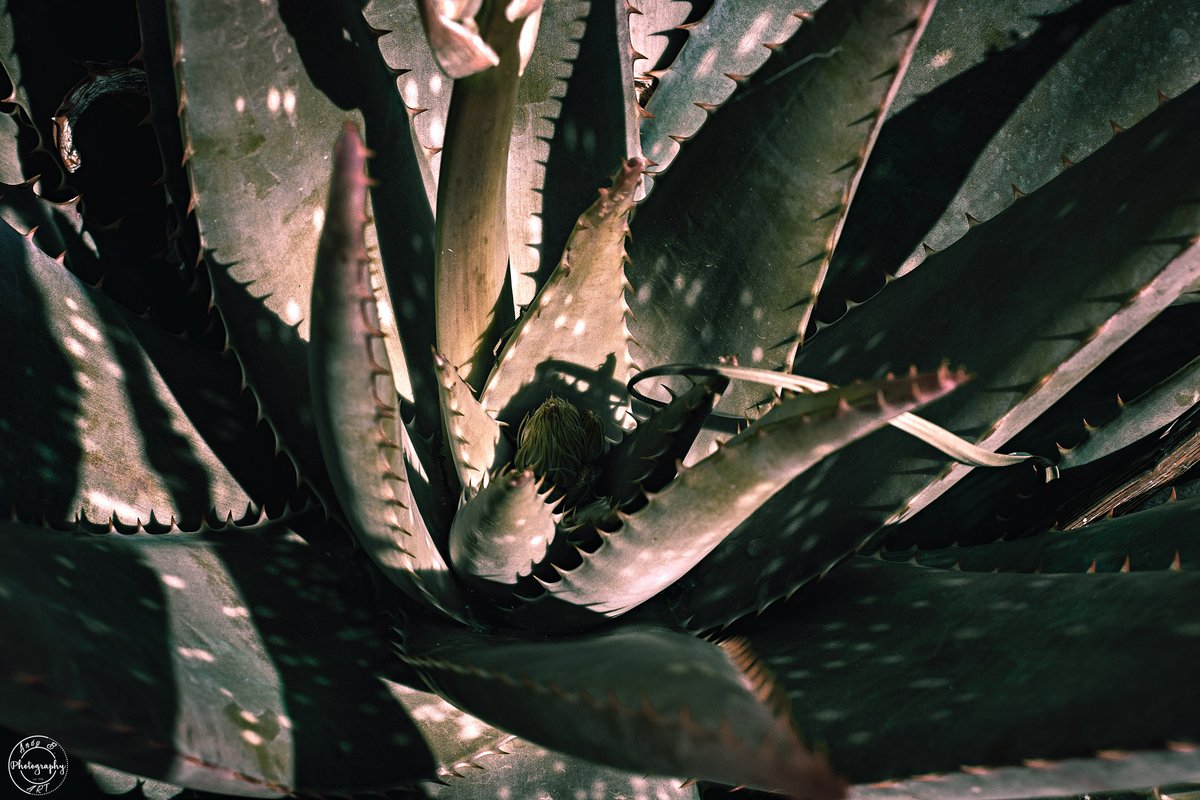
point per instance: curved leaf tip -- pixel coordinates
(808, 773)
(454, 37)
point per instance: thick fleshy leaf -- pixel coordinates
(691, 708)
(362, 438)
(646, 459)
(986, 670)
(256, 138)
(789, 149)
(454, 737)
(729, 43)
(205, 661)
(476, 760)
(1010, 503)
(252, 123)
(334, 40)
(476, 443)
(54, 227)
(1089, 293)
(110, 782)
(10, 160)
(643, 552)
(1156, 409)
(455, 40)
(594, 127)
(500, 533)
(984, 117)
(539, 102)
(1171, 457)
(1093, 777)
(422, 86)
(89, 426)
(1148, 260)
(524, 771)
(652, 23)
(471, 267)
(573, 341)
(1162, 538)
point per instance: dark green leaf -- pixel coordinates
(998, 94)
(354, 397)
(687, 705)
(1082, 291)
(1157, 539)
(90, 426)
(901, 671)
(643, 552)
(205, 661)
(789, 149)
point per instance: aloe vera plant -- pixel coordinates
(355, 443)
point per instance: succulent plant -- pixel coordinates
(421, 469)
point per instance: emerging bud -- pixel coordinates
(558, 442)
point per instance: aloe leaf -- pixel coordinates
(574, 340)
(242, 118)
(1160, 538)
(691, 708)
(456, 42)
(361, 436)
(90, 427)
(992, 504)
(158, 59)
(1147, 262)
(476, 760)
(471, 264)
(539, 102)
(500, 533)
(475, 441)
(1172, 457)
(524, 771)
(423, 87)
(642, 553)
(202, 661)
(248, 119)
(334, 40)
(974, 671)
(728, 44)
(646, 459)
(1156, 409)
(1063, 778)
(652, 23)
(110, 782)
(54, 227)
(1090, 293)
(187, 409)
(810, 116)
(10, 158)
(256, 135)
(455, 738)
(1001, 111)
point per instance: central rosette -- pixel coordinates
(561, 444)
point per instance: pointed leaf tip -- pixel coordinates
(618, 198)
(346, 213)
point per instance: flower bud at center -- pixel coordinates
(557, 441)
